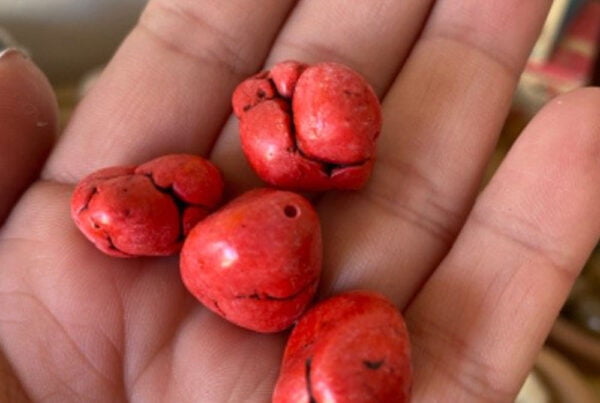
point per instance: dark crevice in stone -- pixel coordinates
(267, 297)
(275, 91)
(169, 190)
(261, 94)
(307, 367)
(111, 244)
(218, 308)
(356, 94)
(327, 167)
(95, 191)
(86, 205)
(374, 365)
(179, 203)
(336, 166)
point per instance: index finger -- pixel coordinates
(483, 315)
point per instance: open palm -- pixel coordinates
(480, 280)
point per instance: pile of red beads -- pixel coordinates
(256, 261)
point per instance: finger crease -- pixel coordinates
(470, 372)
(511, 67)
(116, 385)
(164, 351)
(221, 54)
(398, 200)
(528, 236)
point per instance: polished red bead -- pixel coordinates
(256, 262)
(309, 127)
(351, 348)
(146, 210)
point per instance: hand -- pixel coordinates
(480, 280)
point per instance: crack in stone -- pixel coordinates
(218, 308)
(267, 297)
(307, 367)
(260, 93)
(86, 205)
(374, 365)
(95, 191)
(97, 226)
(111, 244)
(180, 204)
(330, 168)
(327, 167)
(170, 190)
(107, 236)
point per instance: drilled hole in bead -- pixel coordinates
(290, 211)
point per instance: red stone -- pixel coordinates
(353, 347)
(309, 127)
(256, 262)
(146, 211)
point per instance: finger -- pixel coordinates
(442, 118)
(10, 387)
(482, 317)
(28, 114)
(211, 360)
(373, 38)
(168, 87)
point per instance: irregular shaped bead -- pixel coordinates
(146, 210)
(309, 127)
(351, 348)
(256, 262)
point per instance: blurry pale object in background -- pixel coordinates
(534, 390)
(570, 66)
(69, 37)
(545, 43)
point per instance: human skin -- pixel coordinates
(483, 271)
(149, 209)
(29, 124)
(309, 127)
(257, 261)
(350, 348)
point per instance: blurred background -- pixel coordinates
(69, 37)
(72, 39)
